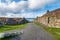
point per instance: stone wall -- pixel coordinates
(51, 18)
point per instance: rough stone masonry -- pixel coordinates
(51, 18)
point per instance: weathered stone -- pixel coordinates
(51, 19)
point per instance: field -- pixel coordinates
(11, 27)
(54, 31)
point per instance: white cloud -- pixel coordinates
(30, 15)
(9, 8)
(13, 7)
(36, 4)
(12, 15)
(26, 15)
(8, 1)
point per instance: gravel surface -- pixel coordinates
(33, 32)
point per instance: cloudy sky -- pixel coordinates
(27, 8)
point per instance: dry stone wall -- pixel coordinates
(51, 19)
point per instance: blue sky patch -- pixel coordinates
(27, 8)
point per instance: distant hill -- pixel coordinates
(30, 19)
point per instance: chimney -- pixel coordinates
(47, 11)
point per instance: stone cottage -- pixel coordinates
(1, 24)
(11, 21)
(6, 20)
(23, 21)
(51, 18)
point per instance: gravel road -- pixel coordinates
(34, 32)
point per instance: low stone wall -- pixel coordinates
(51, 22)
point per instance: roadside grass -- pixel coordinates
(54, 31)
(11, 27)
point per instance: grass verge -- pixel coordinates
(11, 27)
(54, 31)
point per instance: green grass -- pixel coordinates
(54, 31)
(11, 27)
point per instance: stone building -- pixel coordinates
(6, 20)
(1, 24)
(51, 18)
(11, 21)
(23, 21)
